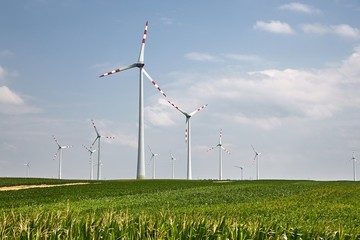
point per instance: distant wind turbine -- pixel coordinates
(27, 168)
(140, 64)
(59, 152)
(241, 171)
(173, 165)
(188, 134)
(256, 158)
(91, 152)
(220, 154)
(354, 165)
(153, 158)
(98, 137)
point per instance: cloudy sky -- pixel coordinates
(283, 76)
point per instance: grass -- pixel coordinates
(180, 209)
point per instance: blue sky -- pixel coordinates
(281, 75)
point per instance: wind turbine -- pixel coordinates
(241, 171)
(153, 157)
(220, 154)
(173, 165)
(140, 64)
(256, 157)
(98, 137)
(354, 165)
(91, 151)
(59, 152)
(27, 168)
(188, 134)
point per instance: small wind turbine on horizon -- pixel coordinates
(153, 158)
(91, 152)
(98, 137)
(59, 152)
(140, 174)
(173, 165)
(27, 165)
(256, 158)
(354, 165)
(241, 172)
(188, 134)
(220, 154)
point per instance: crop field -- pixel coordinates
(179, 209)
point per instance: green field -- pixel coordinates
(180, 209)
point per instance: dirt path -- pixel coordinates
(20, 187)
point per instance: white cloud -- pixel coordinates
(346, 31)
(299, 7)
(242, 57)
(315, 28)
(342, 30)
(9, 97)
(12, 103)
(274, 27)
(202, 57)
(158, 114)
(268, 98)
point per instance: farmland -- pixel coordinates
(180, 209)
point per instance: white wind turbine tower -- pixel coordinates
(173, 165)
(98, 137)
(354, 165)
(59, 152)
(91, 152)
(140, 64)
(27, 168)
(188, 134)
(220, 154)
(153, 158)
(241, 171)
(256, 158)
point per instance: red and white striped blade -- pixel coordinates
(172, 104)
(225, 150)
(153, 82)
(97, 132)
(56, 141)
(119, 70)
(55, 155)
(198, 110)
(142, 49)
(211, 148)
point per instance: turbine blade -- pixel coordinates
(97, 132)
(254, 149)
(198, 110)
(142, 49)
(94, 141)
(86, 148)
(119, 69)
(176, 107)
(150, 150)
(153, 82)
(211, 148)
(55, 155)
(225, 150)
(56, 141)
